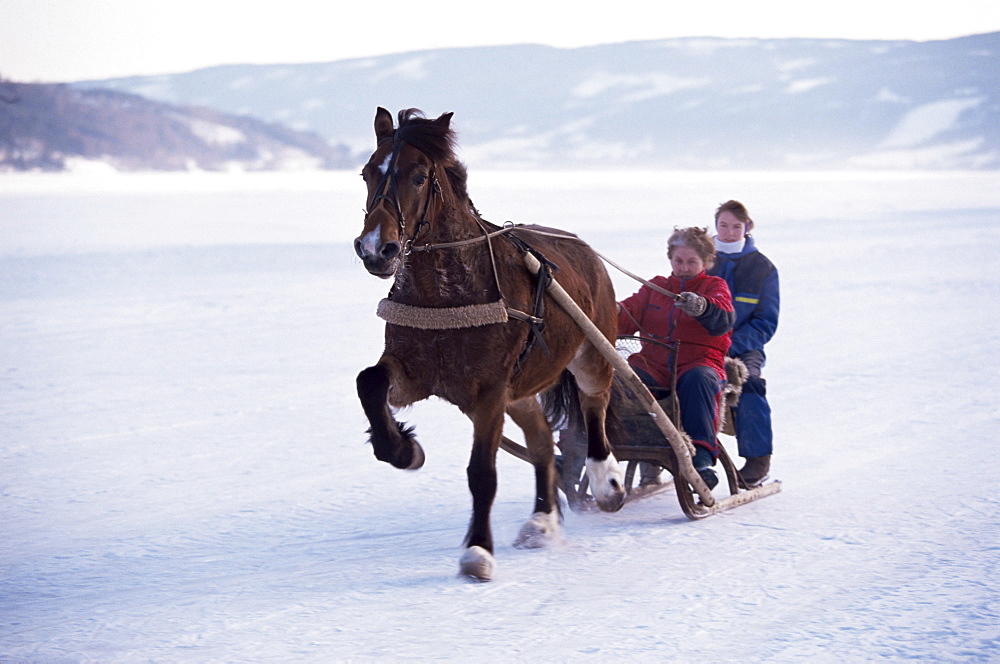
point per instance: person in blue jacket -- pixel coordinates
(753, 282)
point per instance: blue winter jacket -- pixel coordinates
(753, 281)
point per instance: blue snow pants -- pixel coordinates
(698, 391)
(752, 415)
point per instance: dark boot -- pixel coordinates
(703, 463)
(649, 474)
(756, 470)
(709, 476)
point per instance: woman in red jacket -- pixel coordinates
(698, 326)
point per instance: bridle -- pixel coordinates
(387, 195)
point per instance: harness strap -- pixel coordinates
(544, 277)
(536, 324)
(535, 320)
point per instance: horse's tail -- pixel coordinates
(561, 406)
(561, 403)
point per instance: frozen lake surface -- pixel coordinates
(184, 474)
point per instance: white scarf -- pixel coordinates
(729, 247)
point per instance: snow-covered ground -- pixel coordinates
(184, 474)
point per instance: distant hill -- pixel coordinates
(675, 103)
(47, 127)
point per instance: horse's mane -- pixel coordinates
(436, 140)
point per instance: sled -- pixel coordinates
(654, 436)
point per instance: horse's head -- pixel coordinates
(402, 186)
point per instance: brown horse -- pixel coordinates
(463, 315)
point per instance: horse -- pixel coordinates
(468, 322)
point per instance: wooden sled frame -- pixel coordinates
(696, 499)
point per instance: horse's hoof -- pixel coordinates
(613, 503)
(418, 457)
(477, 564)
(540, 530)
(606, 483)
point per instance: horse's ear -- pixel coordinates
(445, 119)
(383, 124)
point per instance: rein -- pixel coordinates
(459, 243)
(509, 226)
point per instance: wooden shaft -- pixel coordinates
(677, 442)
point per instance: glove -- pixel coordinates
(692, 304)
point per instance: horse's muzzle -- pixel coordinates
(381, 261)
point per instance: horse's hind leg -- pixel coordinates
(593, 378)
(544, 523)
(392, 442)
(606, 480)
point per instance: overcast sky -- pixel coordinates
(67, 40)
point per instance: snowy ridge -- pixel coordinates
(676, 103)
(55, 127)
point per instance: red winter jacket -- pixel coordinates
(703, 340)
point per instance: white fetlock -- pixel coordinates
(540, 530)
(477, 564)
(606, 483)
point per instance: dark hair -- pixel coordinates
(738, 210)
(695, 238)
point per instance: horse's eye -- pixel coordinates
(419, 180)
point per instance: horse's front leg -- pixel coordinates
(392, 441)
(477, 560)
(543, 526)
